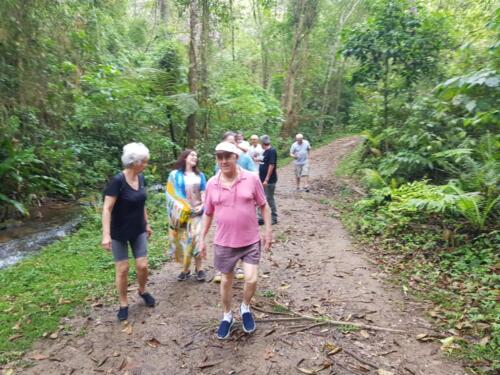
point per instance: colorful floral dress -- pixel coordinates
(183, 196)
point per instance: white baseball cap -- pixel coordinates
(228, 147)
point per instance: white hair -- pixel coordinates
(134, 152)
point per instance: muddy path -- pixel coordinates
(313, 270)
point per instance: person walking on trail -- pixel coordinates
(231, 196)
(256, 151)
(268, 175)
(185, 194)
(125, 221)
(245, 162)
(300, 151)
(241, 143)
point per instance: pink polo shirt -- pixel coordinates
(234, 209)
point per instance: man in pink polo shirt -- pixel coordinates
(232, 196)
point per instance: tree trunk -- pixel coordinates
(193, 72)
(332, 63)
(304, 12)
(386, 91)
(264, 51)
(162, 4)
(204, 49)
(231, 12)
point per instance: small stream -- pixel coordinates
(52, 222)
(19, 239)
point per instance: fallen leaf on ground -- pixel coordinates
(209, 364)
(269, 353)
(17, 326)
(15, 337)
(331, 348)
(38, 357)
(424, 337)
(314, 370)
(102, 361)
(9, 371)
(269, 332)
(153, 342)
(127, 329)
(127, 364)
(449, 343)
(63, 301)
(364, 333)
(54, 335)
(384, 372)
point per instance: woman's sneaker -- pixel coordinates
(122, 313)
(224, 330)
(148, 299)
(201, 275)
(183, 276)
(239, 274)
(217, 278)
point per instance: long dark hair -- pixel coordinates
(180, 164)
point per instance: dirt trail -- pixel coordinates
(313, 268)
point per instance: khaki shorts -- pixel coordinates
(302, 170)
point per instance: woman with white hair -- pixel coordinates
(125, 221)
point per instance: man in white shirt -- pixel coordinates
(256, 152)
(300, 151)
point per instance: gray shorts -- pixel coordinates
(302, 170)
(225, 258)
(139, 247)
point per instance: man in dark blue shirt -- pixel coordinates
(268, 176)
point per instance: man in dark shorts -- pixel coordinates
(232, 196)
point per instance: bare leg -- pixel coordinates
(197, 263)
(121, 268)
(226, 291)
(306, 181)
(298, 182)
(251, 272)
(186, 263)
(141, 265)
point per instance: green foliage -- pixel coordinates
(400, 38)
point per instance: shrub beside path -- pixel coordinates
(313, 275)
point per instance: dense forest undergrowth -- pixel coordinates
(419, 80)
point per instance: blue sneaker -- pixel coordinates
(224, 330)
(248, 322)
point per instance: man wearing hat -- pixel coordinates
(231, 196)
(268, 176)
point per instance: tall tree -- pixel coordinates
(193, 70)
(258, 8)
(333, 81)
(400, 41)
(204, 52)
(302, 15)
(162, 5)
